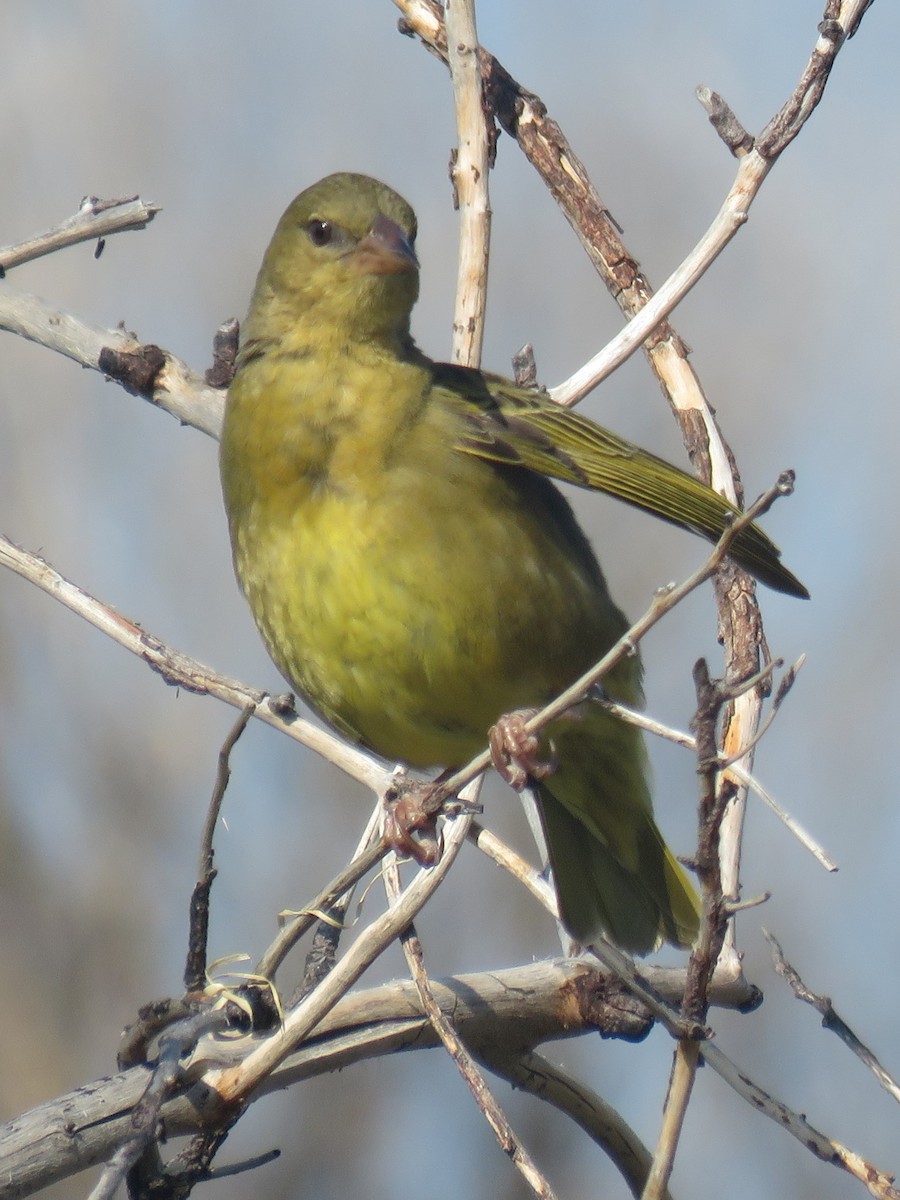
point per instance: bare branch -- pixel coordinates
(509, 1141)
(504, 1010)
(171, 386)
(830, 1019)
(95, 219)
(198, 924)
(681, 1085)
(298, 924)
(535, 1074)
(725, 123)
(331, 909)
(236, 1083)
(179, 670)
(705, 954)
(731, 764)
(879, 1183)
(225, 349)
(515, 1008)
(498, 851)
(469, 170)
(753, 168)
(840, 21)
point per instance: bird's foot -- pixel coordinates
(410, 821)
(514, 750)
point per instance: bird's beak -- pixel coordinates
(385, 250)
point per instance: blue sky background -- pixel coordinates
(220, 116)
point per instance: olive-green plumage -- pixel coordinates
(413, 571)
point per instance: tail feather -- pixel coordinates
(598, 894)
(613, 871)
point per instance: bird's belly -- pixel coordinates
(413, 627)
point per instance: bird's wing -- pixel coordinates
(508, 424)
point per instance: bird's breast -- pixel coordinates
(412, 593)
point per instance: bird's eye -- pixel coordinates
(321, 233)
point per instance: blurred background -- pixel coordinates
(105, 772)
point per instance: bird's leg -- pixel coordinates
(515, 751)
(410, 820)
(412, 807)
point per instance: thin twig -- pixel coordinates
(841, 17)
(753, 167)
(784, 687)
(297, 925)
(517, 866)
(247, 1164)
(711, 697)
(533, 1073)
(198, 923)
(830, 1019)
(509, 1141)
(323, 950)
(879, 1183)
(236, 1083)
(681, 1085)
(741, 774)
(179, 670)
(223, 776)
(95, 219)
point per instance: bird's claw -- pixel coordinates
(514, 751)
(410, 827)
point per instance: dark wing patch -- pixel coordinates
(520, 427)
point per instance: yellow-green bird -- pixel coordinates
(412, 569)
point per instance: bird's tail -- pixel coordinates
(613, 871)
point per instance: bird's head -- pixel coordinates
(342, 258)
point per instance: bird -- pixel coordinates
(413, 568)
